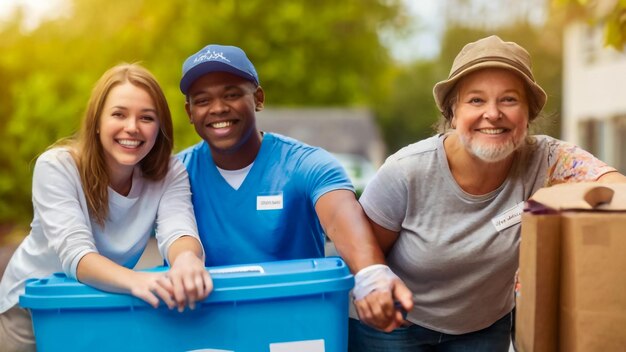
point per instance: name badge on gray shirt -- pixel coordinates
(509, 217)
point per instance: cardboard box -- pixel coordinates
(297, 305)
(573, 270)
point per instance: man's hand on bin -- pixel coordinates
(381, 298)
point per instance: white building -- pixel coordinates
(594, 94)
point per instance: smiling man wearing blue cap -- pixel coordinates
(260, 196)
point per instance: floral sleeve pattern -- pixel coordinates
(569, 163)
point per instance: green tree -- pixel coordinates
(610, 13)
(408, 113)
(307, 52)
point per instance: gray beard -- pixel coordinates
(492, 153)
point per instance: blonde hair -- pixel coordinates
(87, 149)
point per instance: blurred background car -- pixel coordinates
(351, 134)
(359, 169)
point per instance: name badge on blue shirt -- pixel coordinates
(270, 202)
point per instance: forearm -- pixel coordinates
(100, 272)
(347, 226)
(354, 239)
(184, 244)
(377, 288)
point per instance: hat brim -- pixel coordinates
(208, 67)
(443, 88)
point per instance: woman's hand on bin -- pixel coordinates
(190, 280)
(151, 287)
(101, 272)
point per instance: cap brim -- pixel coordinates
(208, 67)
(443, 88)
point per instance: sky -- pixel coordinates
(426, 31)
(428, 24)
(36, 10)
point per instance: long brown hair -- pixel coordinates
(87, 149)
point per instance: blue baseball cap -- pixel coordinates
(217, 58)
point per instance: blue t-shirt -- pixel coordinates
(272, 214)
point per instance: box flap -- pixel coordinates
(582, 196)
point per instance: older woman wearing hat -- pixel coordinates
(446, 210)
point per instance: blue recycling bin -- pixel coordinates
(296, 305)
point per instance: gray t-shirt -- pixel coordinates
(455, 251)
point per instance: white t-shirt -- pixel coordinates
(235, 177)
(62, 231)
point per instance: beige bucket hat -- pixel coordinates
(491, 52)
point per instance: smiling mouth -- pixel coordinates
(129, 143)
(221, 124)
(493, 131)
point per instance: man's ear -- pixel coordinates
(188, 110)
(259, 99)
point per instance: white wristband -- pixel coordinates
(374, 277)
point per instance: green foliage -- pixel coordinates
(307, 52)
(408, 113)
(612, 14)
